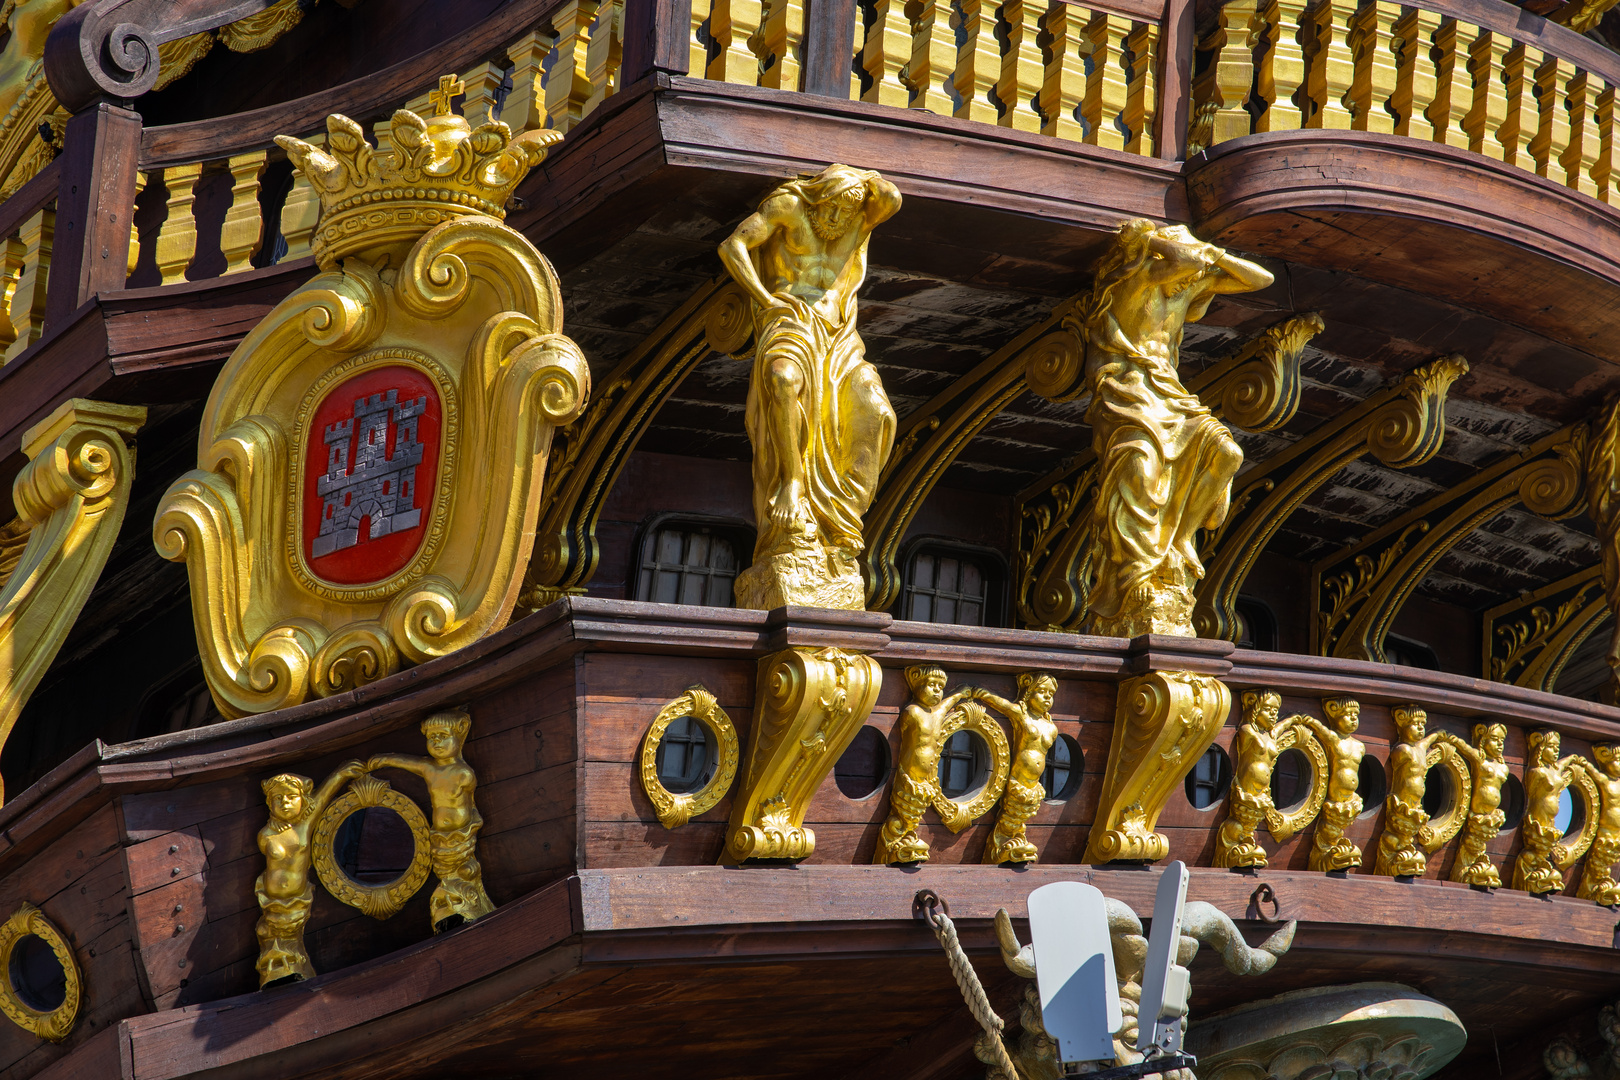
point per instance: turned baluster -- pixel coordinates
(13, 254)
(525, 102)
(933, 57)
(732, 23)
(1487, 60)
(1604, 173)
(888, 47)
(301, 210)
(1142, 92)
(1019, 86)
(1373, 80)
(697, 59)
(483, 83)
(1330, 66)
(243, 227)
(28, 297)
(1106, 88)
(604, 53)
(1063, 83)
(1222, 90)
(1580, 156)
(1282, 65)
(177, 236)
(1551, 140)
(1453, 85)
(781, 36)
(978, 62)
(1523, 118)
(568, 87)
(134, 245)
(1415, 80)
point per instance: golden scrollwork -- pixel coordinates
(1163, 723)
(808, 705)
(916, 773)
(1547, 851)
(1603, 504)
(1489, 766)
(1165, 463)
(1331, 850)
(53, 1024)
(437, 346)
(1597, 880)
(1401, 426)
(453, 836)
(284, 890)
(1261, 739)
(71, 498)
(819, 421)
(676, 809)
(1260, 386)
(1033, 735)
(589, 453)
(1399, 853)
(380, 901)
(1362, 588)
(1530, 639)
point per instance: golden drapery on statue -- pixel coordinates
(1165, 463)
(820, 424)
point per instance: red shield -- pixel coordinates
(371, 470)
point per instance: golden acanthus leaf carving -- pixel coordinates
(52, 1025)
(407, 396)
(819, 421)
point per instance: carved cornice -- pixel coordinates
(1528, 640)
(1255, 387)
(1402, 426)
(1361, 588)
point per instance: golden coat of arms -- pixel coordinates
(371, 458)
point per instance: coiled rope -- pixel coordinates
(937, 913)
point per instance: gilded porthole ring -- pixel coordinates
(958, 814)
(383, 900)
(1285, 824)
(675, 810)
(54, 1024)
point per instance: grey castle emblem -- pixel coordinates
(378, 487)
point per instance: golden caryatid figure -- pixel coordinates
(819, 421)
(460, 896)
(1330, 848)
(916, 779)
(1545, 780)
(1033, 736)
(1597, 880)
(1165, 463)
(1259, 742)
(1398, 853)
(1486, 758)
(284, 890)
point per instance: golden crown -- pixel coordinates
(441, 168)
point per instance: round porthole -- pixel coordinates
(355, 873)
(863, 768)
(42, 988)
(1371, 786)
(1512, 802)
(1211, 775)
(1571, 817)
(964, 765)
(1291, 780)
(1064, 765)
(1439, 793)
(689, 757)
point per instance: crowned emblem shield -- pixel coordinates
(371, 458)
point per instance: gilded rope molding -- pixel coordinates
(1361, 589)
(72, 495)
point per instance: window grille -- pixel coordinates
(685, 562)
(945, 585)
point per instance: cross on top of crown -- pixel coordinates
(450, 87)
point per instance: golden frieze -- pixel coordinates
(371, 457)
(55, 1023)
(676, 809)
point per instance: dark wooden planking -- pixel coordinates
(37, 193)
(829, 42)
(655, 39)
(95, 201)
(1175, 79)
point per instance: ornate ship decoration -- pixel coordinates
(916, 775)
(1547, 850)
(1261, 740)
(1034, 734)
(1489, 767)
(371, 457)
(1410, 835)
(1330, 849)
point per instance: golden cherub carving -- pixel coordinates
(1330, 848)
(1485, 815)
(1034, 733)
(1546, 778)
(284, 889)
(916, 777)
(1398, 853)
(1597, 881)
(819, 421)
(1164, 462)
(1258, 746)
(460, 895)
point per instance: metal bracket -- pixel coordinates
(1151, 1067)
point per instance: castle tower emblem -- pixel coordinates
(379, 486)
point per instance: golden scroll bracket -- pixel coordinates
(1165, 718)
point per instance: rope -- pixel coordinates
(934, 910)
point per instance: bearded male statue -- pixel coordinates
(820, 424)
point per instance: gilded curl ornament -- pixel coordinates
(1165, 464)
(818, 418)
(371, 458)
